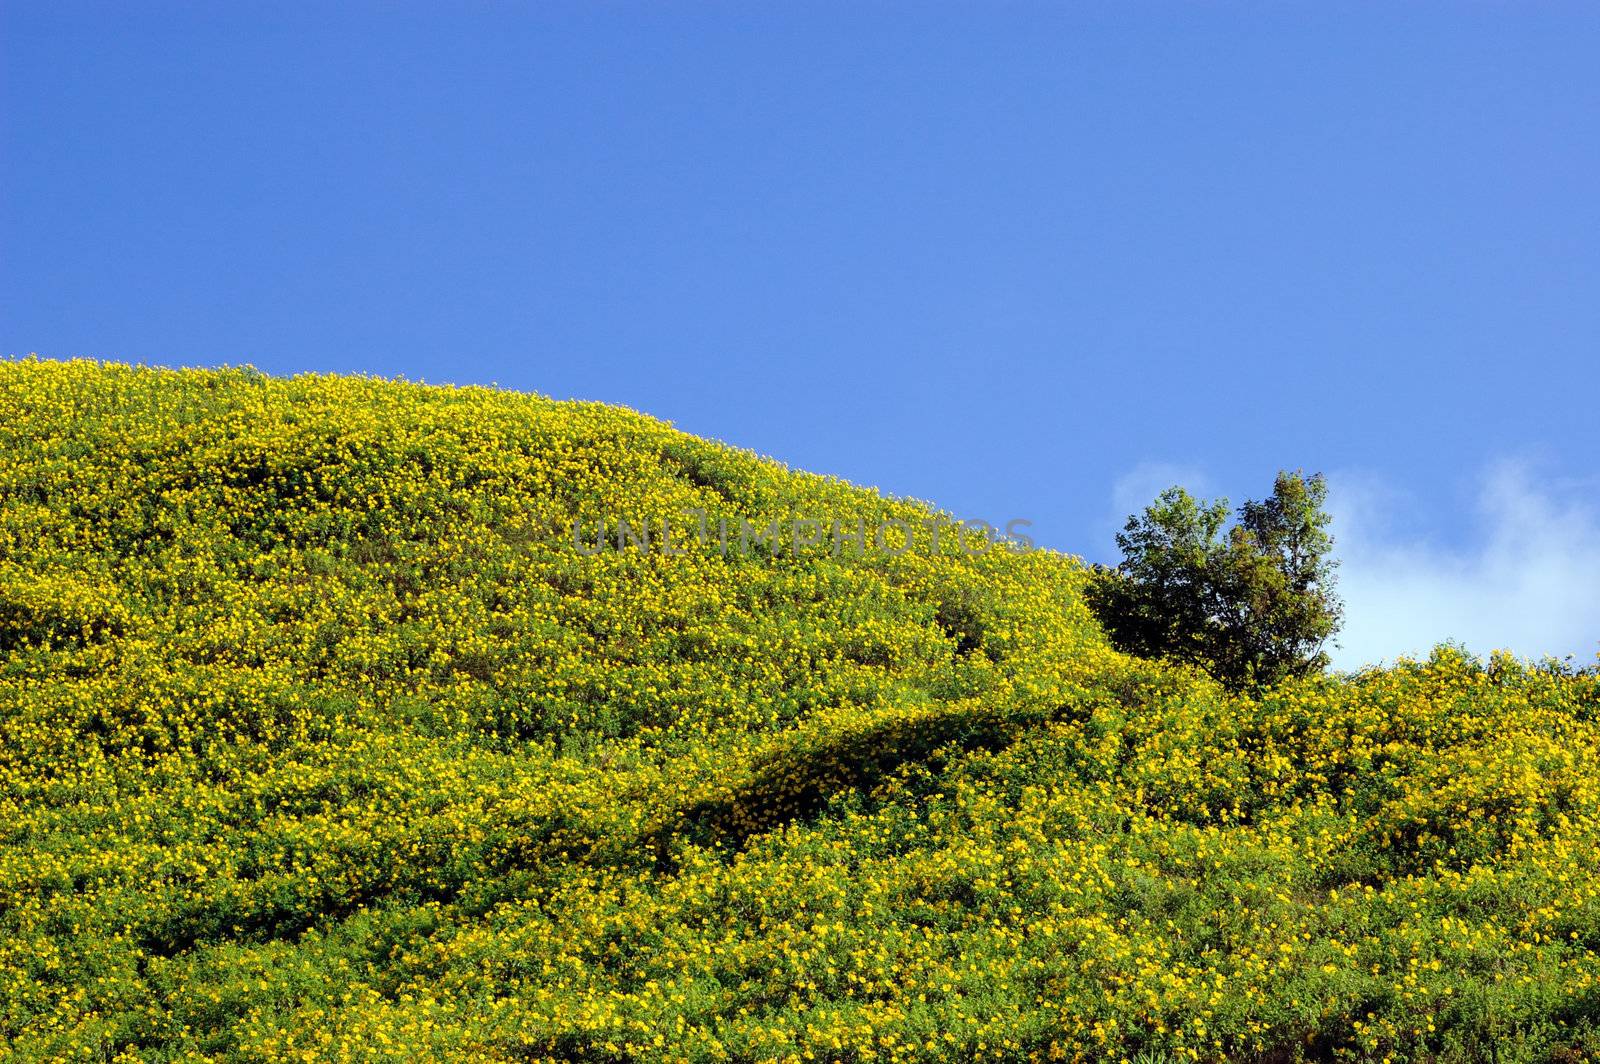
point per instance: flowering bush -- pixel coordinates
(318, 741)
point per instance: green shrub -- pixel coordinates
(1252, 604)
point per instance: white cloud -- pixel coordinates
(1138, 487)
(1523, 574)
(1527, 580)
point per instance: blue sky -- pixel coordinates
(1023, 260)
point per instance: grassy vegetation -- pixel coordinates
(320, 741)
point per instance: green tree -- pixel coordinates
(1252, 603)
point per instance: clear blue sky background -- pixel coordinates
(1000, 256)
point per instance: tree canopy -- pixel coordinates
(1252, 603)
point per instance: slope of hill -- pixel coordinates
(322, 737)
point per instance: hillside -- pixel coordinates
(321, 739)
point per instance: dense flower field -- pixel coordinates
(319, 741)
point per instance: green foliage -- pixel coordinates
(1252, 604)
(319, 742)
